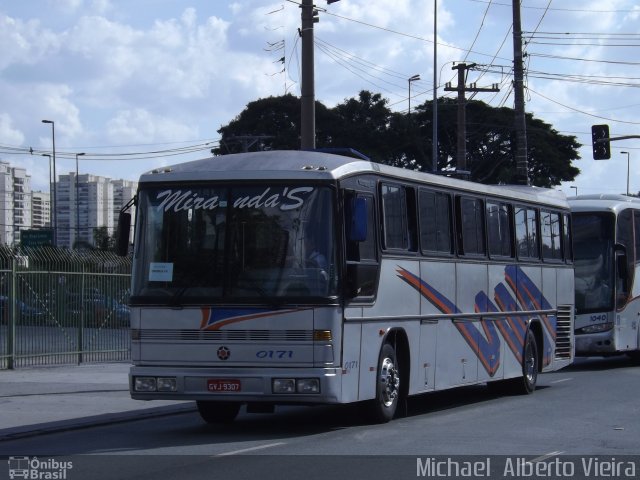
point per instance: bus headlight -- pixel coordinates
(601, 327)
(166, 384)
(296, 385)
(155, 384)
(284, 385)
(144, 384)
(308, 385)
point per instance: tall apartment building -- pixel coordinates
(80, 212)
(40, 210)
(15, 202)
(97, 204)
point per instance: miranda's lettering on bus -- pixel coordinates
(432, 467)
(289, 199)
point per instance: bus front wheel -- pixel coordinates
(218, 412)
(383, 407)
(527, 383)
(530, 363)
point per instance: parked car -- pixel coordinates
(26, 313)
(99, 310)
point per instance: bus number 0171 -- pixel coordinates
(275, 354)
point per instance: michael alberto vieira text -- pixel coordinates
(520, 467)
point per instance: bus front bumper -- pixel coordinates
(278, 386)
(595, 344)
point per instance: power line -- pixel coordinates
(583, 10)
(125, 156)
(578, 59)
(582, 111)
(486, 11)
(415, 37)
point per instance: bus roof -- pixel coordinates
(603, 202)
(321, 166)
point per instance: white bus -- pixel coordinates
(606, 236)
(293, 277)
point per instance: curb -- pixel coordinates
(25, 431)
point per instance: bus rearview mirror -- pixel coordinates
(124, 229)
(357, 222)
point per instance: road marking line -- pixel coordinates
(251, 449)
(544, 457)
(562, 380)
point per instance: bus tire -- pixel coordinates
(383, 408)
(527, 383)
(218, 412)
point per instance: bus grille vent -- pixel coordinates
(564, 333)
(226, 335)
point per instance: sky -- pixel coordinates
(139, 84)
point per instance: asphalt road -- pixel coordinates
(591, 408)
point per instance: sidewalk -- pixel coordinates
(45, 399)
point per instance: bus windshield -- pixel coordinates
(593, 260)
(251, 243)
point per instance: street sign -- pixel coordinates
(36, 238)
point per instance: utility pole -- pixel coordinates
(307, 89)
(434, 133)
(461, 160)
(520, 124)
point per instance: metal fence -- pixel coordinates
(63, 306)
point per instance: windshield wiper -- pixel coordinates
(270, 299)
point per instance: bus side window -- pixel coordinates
(567, 238)
(499, 230)
(551, 247)
(471, 237)
(526, 233)
(435, 222)
(399, 217)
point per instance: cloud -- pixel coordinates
(9, 134)
(139, 125)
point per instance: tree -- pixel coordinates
(490, 144)
(102, 240)
(274, 122)
(362, 124)
(366, 124)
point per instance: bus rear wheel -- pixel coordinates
(218, 412)
(383, 408)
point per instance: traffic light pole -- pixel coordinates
(601, 140)
(613, 139)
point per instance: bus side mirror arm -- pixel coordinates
(124, 229)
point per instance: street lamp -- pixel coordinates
(576, 188)
(627, 171)
(77, 203)
(50, 185)
(54, 203)
(414, 78)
